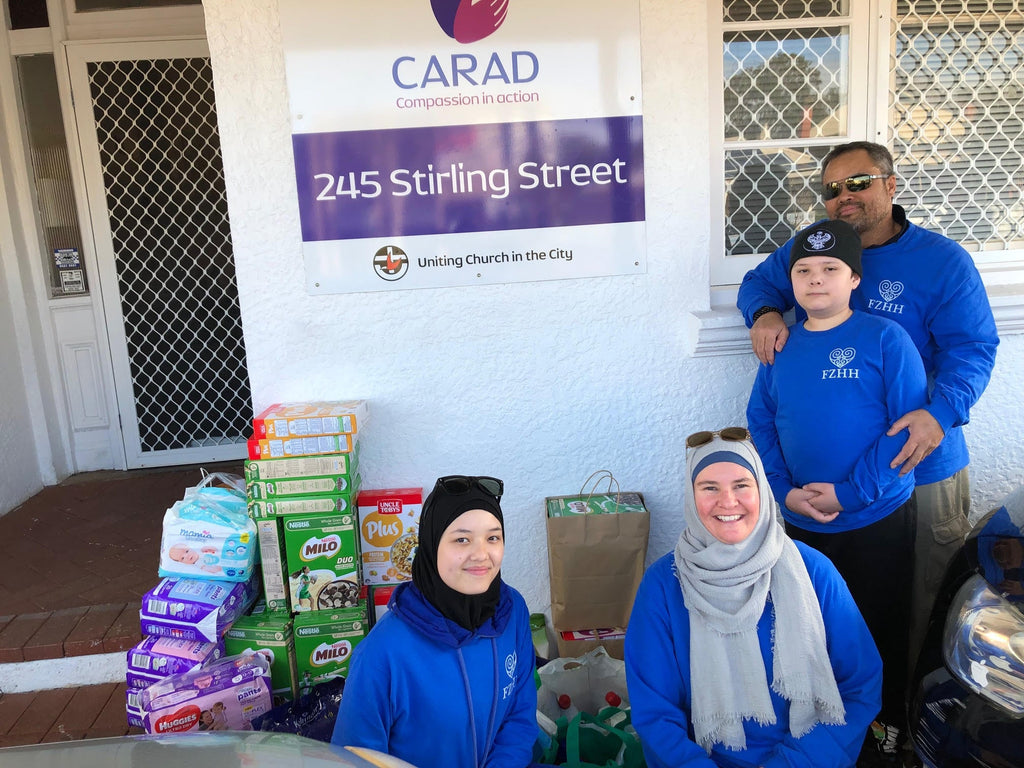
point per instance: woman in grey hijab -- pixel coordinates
(744, 648)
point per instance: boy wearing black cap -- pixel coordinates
(819, 418)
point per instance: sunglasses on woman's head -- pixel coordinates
(857, 183)
(456, 484)
(732, 434)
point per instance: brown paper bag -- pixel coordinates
(597, 544)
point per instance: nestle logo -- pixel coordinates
(298, 524)
(306, 631)
(467, 21)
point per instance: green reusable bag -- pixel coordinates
(590, 742)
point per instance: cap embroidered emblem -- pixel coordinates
(820, 241)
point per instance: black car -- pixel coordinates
(968, 705)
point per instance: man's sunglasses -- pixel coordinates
(457, 484)
(732, 434)
(857, 183)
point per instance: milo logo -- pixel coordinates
(381, 530)
(314, 548)
(325, 654)
(184, 719)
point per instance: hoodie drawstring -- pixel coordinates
(469, 701)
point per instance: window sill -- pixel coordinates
(721, 330)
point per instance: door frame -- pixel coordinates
(96, 228)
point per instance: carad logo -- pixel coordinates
(184, 719)
(467, 21)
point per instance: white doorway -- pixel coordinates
(147, 127)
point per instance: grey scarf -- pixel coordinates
(726, 587)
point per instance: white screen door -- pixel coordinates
(147, 125)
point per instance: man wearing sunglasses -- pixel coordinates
(929, 285)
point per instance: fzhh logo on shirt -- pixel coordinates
(840, 357)
(510, 670)
(889, 291)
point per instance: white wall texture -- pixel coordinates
(537, 383)
(20, 474)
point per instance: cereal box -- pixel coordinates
(312, 418)
(284, 506)
(377, 601)
(277, 447)
(389, 523)
(322, 559)
(313, 485)
(268, 633)
(324, 641)
(301, 466)
(275, 580)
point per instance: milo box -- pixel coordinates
(269, 633)
(324, 641)
(322, 561)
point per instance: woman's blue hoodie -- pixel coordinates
(424, 689)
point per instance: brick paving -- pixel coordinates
(75, 559)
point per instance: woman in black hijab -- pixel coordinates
(445, 679)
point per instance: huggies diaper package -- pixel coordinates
(225, 695)
(195, 609)
(208, 534)
(158, 657)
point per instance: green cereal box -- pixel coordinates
(272, 563)
(301, 505)
(324, 641)
(595, 504)
(313, 485)
(322, 560)
(270, 633)
(338, 465)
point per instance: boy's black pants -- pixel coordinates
(877, 562)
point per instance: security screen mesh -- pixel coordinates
(160, 153)
(958, 118)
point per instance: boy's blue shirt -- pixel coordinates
(929, 285)
(820, 414)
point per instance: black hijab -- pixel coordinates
(440, 509)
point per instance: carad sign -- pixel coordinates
(457, 142)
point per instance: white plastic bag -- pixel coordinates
(208, 534)
(586, 680)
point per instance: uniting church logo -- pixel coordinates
(467, 21)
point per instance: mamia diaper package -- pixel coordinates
(208, 534)
(225, 695)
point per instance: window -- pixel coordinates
(940, 83)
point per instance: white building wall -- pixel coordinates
(537, 383)
(20, 474)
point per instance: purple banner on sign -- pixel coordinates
(469, 178)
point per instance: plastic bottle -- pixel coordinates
(539, 631)
(569, 710)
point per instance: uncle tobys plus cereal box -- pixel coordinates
(389, 524)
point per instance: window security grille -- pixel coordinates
(958, 118)
(160, 152)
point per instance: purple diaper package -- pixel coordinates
(195, 609)
(156, 657)
(224, 695)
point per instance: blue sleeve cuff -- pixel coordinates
(944, 414)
